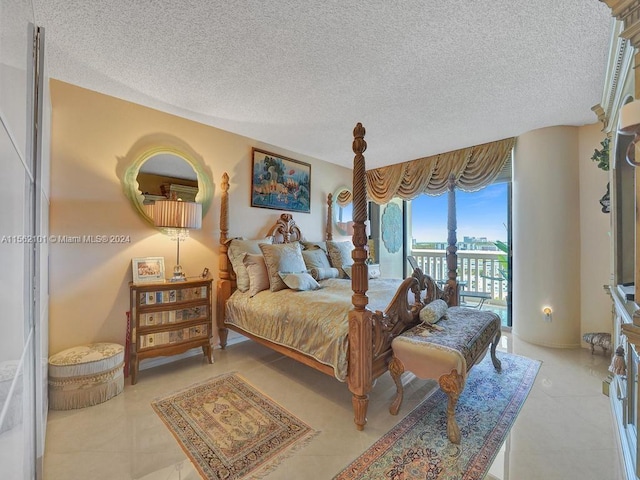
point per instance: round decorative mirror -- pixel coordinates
(343, 211)
(166, 173)
(166, 176)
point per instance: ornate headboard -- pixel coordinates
(284, 230)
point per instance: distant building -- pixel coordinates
(467, 243)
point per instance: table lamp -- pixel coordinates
(177, 217)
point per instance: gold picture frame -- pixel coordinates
(279, 182)
(148, 270)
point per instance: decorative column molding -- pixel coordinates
(620, 63)
(628, 12)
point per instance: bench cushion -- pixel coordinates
(465, 336)
(433, 312)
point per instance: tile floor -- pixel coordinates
(564, 431)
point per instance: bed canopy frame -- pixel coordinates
(370, 333)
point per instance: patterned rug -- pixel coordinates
(230, 430)
(418, 446)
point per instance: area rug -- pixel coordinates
(418, 446)
(229, 429)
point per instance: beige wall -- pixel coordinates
(546, 238)
(560, 245)
(91, 134)
(595, 235)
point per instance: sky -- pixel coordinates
(480, 214)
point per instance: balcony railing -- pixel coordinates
(478, 268)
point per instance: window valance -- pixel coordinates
(473, 168)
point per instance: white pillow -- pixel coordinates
(258, 274)
(236, 252)
(285, 257)
(434, 311)
(299, 281)
(340, 255)
(324, 273)
(347, 271)
(315, 258)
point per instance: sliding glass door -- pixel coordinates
(483, 241)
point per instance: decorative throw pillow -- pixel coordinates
(238, 247)
(315, 258)
(372, 274)
(258, 274)
(324, 273)
(286, 257)
(311, 245)
(299, 281)
(434, 311)
(340, 255)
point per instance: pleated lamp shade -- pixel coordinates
(176, 214)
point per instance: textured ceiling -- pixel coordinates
(423, 77)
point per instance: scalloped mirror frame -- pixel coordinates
(132, 189)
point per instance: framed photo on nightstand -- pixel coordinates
(148, 269)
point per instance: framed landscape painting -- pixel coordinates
(280, 183)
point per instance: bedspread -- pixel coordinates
(312, 322)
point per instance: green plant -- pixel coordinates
(503, 260)
(602, 156)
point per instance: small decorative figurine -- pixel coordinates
(618, 365)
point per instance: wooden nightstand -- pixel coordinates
(169, 318)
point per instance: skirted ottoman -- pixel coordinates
(85, 375)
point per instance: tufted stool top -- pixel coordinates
(86, 360)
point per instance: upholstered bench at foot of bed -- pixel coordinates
(446, 355)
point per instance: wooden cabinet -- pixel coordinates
(623, 389)
(169, 318)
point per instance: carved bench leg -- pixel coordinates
(452, 384)
(396, 368)
(496, 363)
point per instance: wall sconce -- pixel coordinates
(547, 313)
(630, 125)
(177, 217)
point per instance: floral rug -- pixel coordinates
(418, 446)
(230, 430)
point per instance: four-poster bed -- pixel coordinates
(367, 352)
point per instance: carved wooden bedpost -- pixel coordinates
(329, 217)
(360, 376)
(451, 289)
(224, 282)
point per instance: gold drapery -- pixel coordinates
(344, 198)
(473, 168)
